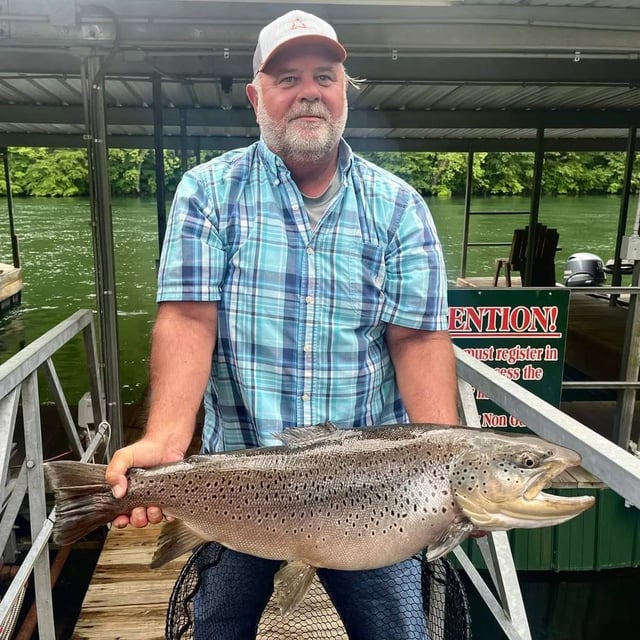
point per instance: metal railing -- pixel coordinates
(627, 384)
(19, 387)
(617, 468)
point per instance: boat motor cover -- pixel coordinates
(584, 270)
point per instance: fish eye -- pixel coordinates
(526, 461)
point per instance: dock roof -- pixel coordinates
(438, 75)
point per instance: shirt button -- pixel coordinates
(309, 250)
(307, 348)
(305, 396)
(309, 299)
(276, 183)
(295, 207)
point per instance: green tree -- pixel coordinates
(56, 172)
(64, 172)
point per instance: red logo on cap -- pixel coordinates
(298, 24)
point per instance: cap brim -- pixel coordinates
(331, 45)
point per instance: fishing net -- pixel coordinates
(444, 603)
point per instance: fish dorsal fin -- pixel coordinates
(455, 533)
(305, 435)
(175, 539)
(290, 585)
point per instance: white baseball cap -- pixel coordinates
(293, 27)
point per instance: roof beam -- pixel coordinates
(358, 119)
(390, 66)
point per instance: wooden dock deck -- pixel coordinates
(10, 286)
(128, 600)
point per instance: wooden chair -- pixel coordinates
(544, 250)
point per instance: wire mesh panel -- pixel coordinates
(444, 603)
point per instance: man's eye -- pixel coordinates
(287, 80)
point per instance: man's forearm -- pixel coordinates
(182, 346)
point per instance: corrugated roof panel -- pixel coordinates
(128, 92)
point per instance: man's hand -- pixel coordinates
(144, 453)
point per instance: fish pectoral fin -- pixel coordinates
(456, 533)
(290, 585)
(175, 539)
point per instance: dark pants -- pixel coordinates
(380, 604)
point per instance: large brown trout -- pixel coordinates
(340, 499)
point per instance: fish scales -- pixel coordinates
(341, 499)
(330, 500)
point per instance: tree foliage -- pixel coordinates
(64, 172)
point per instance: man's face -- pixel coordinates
(300, 103)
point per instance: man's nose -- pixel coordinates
(309, 91)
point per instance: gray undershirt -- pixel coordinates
(317, 206)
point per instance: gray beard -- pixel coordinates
(281, 137)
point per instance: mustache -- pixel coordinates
(317, 110)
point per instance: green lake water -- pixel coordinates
(56, 251)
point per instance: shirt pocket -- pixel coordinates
(365, 278)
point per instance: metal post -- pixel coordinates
(15, 250)
(184, 150)
(527, 276)
(37, 504)
(103, 244)
(158, 145)
(626, 398)
(616, 277)
(467, 214)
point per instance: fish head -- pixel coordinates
(498, 482)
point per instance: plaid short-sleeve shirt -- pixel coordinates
(302, 311)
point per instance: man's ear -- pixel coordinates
(252, 94)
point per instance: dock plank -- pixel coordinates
(128, 600)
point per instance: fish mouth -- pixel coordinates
(549, 471)
(544, 510)
(533, 508)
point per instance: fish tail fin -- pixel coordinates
(83, 499)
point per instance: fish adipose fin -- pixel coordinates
(175, 539)
(450, 539)
(83, 499)
(291, 584)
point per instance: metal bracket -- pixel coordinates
(92, 32)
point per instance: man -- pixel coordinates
(298, 284)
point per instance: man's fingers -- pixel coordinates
(155, 515)
(120, 522)
(138, 517)
(121, 462)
